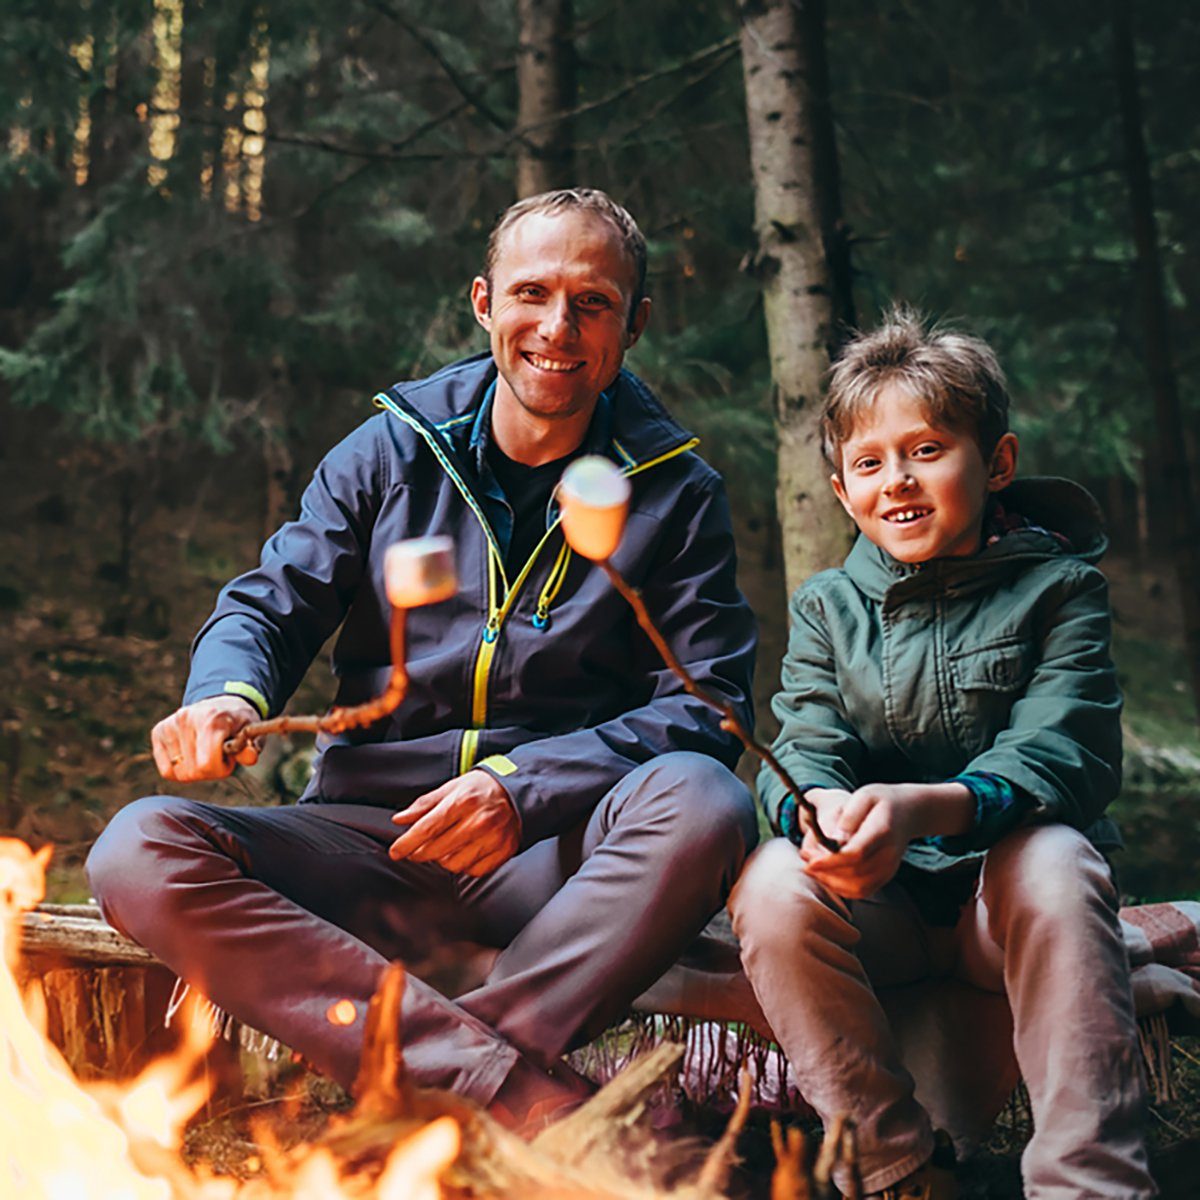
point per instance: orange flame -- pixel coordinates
(59, 1141)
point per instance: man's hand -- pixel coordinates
(189, 744)
(874, 825)
(468, 826)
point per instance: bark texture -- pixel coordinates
(1172, 467)
(545, 91)
(799, 236)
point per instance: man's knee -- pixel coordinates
(695, 797)
(124, 869)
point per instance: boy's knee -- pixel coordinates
(1047, 873)
(775, 898)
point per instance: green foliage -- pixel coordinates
(982, 178)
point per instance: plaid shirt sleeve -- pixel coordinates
(999, 808)
(789, 816)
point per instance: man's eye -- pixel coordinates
(595, 301)
(529, 292)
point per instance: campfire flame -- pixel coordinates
(62, 1141)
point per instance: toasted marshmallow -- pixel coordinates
(594, 496)
(419, 571)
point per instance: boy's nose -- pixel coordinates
(899, 480)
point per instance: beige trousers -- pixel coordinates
(1041, 929)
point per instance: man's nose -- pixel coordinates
(558, 320)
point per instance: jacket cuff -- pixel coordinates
(247, 691)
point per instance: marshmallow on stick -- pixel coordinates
(416, 572)
(594, 497)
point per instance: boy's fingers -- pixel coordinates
(853, 813)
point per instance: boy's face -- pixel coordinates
(915, 489)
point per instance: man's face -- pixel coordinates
(915, 489)
(557, 312)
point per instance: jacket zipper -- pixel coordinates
(498, 612)
(491, 632)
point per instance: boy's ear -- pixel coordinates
(1004, 463)
(839, 490)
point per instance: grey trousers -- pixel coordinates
(276, 914)
(1041, 928)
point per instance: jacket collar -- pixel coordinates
(1051, 503)
(631, 426)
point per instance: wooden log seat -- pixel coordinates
(107, 999)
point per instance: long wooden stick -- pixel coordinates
(338, 720)
(729, 719)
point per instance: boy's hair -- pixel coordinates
(580, 200)
(955, 377)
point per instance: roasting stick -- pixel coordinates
(417, 572)
(594, 497)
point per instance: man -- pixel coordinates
(554, 791)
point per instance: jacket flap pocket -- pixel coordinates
(1001, 666)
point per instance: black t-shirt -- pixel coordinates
(528, 491)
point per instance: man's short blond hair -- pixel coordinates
(955, 377)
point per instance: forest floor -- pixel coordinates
(93, 650)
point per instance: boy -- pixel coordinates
(949, 705)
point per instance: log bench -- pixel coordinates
(107, 1000)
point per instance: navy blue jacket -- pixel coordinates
(543, 679)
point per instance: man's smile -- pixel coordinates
(557, 365)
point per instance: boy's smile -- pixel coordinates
(918, 490)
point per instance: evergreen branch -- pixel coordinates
(468, 93)
(724, 46)
(652, 115)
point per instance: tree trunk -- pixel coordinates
(797, 221)
(1172, 467)
(545, 90)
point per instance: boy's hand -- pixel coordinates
(875, 824)
(874, 828)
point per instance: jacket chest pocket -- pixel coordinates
(987, 680)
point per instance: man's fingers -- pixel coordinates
(487, 864)
(163, 745)
(427, 827)
(419, 807)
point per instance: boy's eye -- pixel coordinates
(866, 463)
(927, 449)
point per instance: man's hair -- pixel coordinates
(590, 200)
(954, 376)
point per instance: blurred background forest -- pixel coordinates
(224, 224)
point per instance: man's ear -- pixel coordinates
(481, 302)
(637, 322)
(1004, 463)
(839, 490)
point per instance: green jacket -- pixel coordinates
(998, 662)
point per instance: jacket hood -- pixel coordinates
(1053, 504)
(641, 428)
